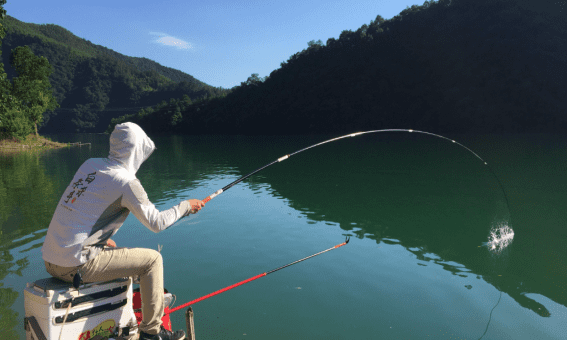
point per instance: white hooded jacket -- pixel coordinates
(99, 198)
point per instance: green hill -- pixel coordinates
(447, 65)
(94, 84)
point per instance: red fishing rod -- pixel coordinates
(251, 279)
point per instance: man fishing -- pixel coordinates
(92, 209)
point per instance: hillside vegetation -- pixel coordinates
(94, 84)
(460, 65)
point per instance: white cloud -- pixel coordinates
(168, 40)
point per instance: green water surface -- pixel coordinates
(419, 210)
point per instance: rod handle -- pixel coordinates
(210, 197)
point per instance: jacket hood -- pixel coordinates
(130, 146)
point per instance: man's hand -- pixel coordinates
(111, 243)
(196, 205)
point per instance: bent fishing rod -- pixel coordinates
(192, 302)
(283, 158)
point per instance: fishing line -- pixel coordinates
(490, 318)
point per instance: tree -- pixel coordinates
(176, 117)
(2, 15)
(254, 79)
(314, 43)
(32, 87)
(12, 120)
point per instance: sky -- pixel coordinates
(219, 42)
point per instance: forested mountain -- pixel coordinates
(92, 83)
(447, 65)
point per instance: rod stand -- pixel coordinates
(190, 324)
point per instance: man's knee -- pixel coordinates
(157, 258)
(154, 259)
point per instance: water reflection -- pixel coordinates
(431, 198)
(25, 201)
(180, 163)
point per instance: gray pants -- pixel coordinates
(114, 263)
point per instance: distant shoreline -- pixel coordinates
(32, 143)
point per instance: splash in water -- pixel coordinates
(500, 237)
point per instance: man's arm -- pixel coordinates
(136, 200)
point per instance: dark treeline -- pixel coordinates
(460, 65)
(93, 84)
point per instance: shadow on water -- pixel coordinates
(435, 199)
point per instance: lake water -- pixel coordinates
(419, 210)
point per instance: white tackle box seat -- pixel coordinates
(98, 308)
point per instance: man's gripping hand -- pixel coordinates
(192, 206)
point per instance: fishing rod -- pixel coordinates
(192, 302)
(283, 158)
